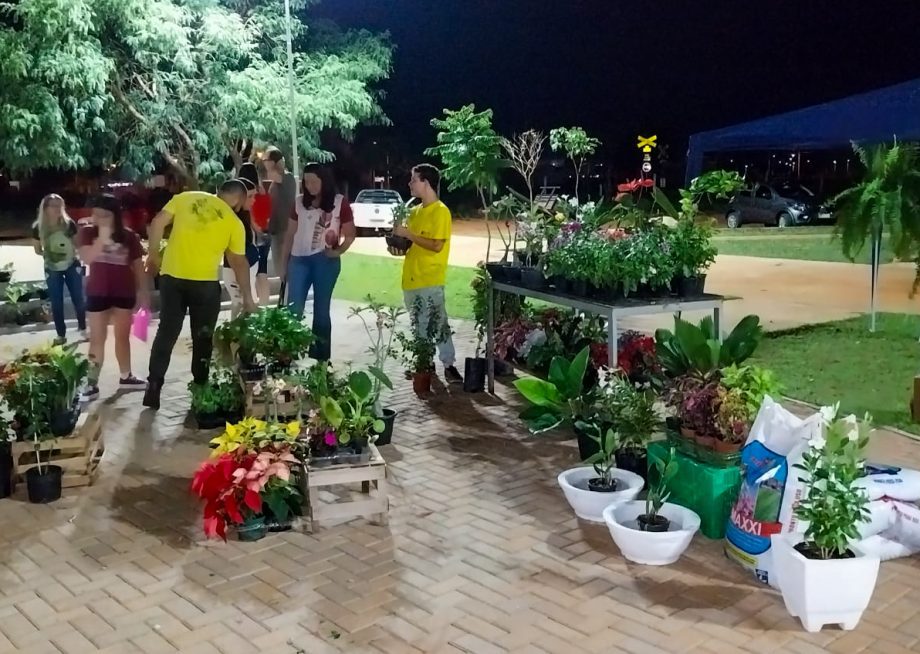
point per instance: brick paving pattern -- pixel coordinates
(482, 554)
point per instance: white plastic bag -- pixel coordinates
(891, 481)
(770, 487)
(894, 530)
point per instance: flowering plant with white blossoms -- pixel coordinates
(7, 418)
(835, 505)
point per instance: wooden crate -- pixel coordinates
(78, 455)
(373, 479)
(256, 406)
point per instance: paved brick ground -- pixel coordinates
(481, 555)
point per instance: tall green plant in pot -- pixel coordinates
(379, 321)
(887, 200)
(471, 153)
(824, 574)
(70, 369)
(577, 146)
(44, 480)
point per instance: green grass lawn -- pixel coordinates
(792, 246)
(842, 361)
(364, 274)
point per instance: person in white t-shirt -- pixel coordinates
(321, 229)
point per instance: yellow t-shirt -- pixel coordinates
(423, 268)
(204, 227)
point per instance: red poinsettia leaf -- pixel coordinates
(233, 509)
(212, 526)
(253, 501)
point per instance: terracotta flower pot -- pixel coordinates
(726, 447)
(707, 442)
(688, 433)
(421, 383)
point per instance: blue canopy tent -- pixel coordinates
(865, 118)
(871, 117)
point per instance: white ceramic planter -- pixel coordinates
(646, 547)
(589, 505)
(822, 593)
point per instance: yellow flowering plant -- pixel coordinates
(254, 435)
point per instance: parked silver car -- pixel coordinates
(780, 206)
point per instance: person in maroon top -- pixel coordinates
(114, 289)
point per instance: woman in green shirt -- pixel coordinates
(53, 237)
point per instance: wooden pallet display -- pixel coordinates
(78, 454)
(373, 478)
(257, 407)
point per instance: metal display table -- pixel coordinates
(611, 311)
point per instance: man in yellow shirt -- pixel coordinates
(205, 228)
(425, 266)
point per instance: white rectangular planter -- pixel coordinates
(821, 593)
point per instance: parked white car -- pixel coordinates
(373, 210)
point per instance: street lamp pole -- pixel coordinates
(291, 92)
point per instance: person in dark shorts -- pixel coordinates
(116, 286)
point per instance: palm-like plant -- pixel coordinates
(888, 199)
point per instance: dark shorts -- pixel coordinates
(263, 257)
(100, 304)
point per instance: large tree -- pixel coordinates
(185, 83)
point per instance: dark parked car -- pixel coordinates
(781, 206)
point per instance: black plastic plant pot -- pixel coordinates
(400, 243)
(63, 422)
(5, 277)
(251, 372)
(209, 420)
(7, 478)
(587, 446)
(634, 461)
(497, 271)
(578, 288)
(389, 421)
(233, 416)
(44, 487)
(655, 524)
(474, 375)
(533, 279)
(512, 275)
(597, 485)
(691, 286)
(561, 284)
(672, 423)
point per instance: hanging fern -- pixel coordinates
(887, 200)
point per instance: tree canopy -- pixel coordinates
(187, 83)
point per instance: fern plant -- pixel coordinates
(888, 199)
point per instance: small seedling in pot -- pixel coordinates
(604, 460)
(658, 494)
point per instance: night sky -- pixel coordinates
(672, 67)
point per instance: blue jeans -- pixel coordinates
(56, 280)
(320, 272)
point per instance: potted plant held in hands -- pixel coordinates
(824, 576)
(379, 322)
(591, 489)
(653, 532)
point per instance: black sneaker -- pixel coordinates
(132, 383)
(90, 393)
(152, 396)
(452, 375)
